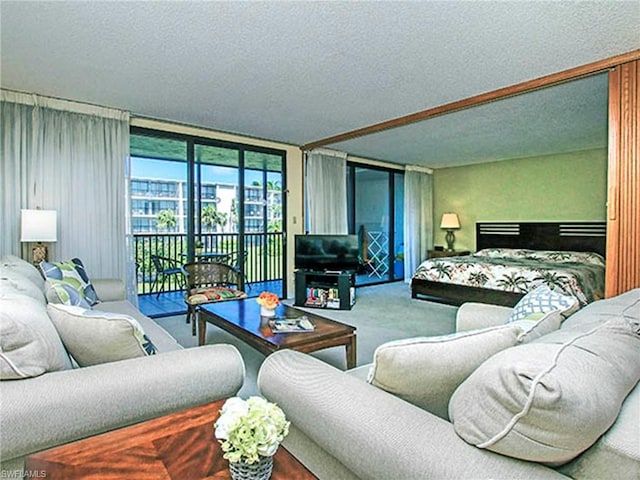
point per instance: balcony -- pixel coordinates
(262, 266)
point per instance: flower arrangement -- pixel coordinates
(250, 429)
(268, 300)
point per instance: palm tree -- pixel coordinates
(211, 217)
(166, 219)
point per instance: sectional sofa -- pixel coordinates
(564, 404)
(48, 400)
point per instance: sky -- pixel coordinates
(162, 169)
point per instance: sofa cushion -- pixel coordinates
(549, 400)
(94, 337)
(11, 263)
(425, 371)
(29, 343)
(545, 300)
(61, 292)
(19, 284)
(73, 274)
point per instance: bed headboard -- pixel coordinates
(576, 236)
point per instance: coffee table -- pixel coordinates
(177, 446)
(241, 318)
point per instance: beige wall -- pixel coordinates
(564, 187)
(295, 219)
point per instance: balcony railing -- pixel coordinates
(263, 255)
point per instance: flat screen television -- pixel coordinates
(327, 252)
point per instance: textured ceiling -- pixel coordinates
(300, 71)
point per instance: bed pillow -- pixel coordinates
(93, 337)
(425, 371)
(550, 400)
(71, 273)
(544, 300)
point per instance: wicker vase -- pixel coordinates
(260, 470)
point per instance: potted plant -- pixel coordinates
(199, 246)
(250, 432)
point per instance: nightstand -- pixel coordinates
(447, 253)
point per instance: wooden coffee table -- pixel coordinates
(177, 446)
(241, 318)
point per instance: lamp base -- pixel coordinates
(450, 238)
(39, 253)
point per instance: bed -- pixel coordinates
(514, 258)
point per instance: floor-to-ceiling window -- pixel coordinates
(200, 199)
(375, 202)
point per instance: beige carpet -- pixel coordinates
(381, 313)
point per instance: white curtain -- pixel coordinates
(326, 192)
(418, 218)
(72, 158)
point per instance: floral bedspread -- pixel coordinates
(575, 273)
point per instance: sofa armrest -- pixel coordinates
(60, 407)
(471, 316)
(372, 433)
(109, 289)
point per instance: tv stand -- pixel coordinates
(327, 289)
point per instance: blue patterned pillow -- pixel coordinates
(543, 300)
(73, 274)
(61, 292)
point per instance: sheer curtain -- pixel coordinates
(326, 179)
(418, 217)
(72, 158)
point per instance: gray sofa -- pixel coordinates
(345, 428)
(61, 406)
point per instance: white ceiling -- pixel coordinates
(297, 72)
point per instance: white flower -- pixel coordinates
(250, 429)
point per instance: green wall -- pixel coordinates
(565, 187)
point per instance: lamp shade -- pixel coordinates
(38, 226)
(449, 221)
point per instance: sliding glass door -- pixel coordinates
(196, 199)
(376, 199)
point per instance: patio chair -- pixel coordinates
(209, 283)
(165, 268)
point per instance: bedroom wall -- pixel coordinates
(562, 187)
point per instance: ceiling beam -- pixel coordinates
(510, 91)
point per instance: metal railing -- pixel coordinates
(263, 254)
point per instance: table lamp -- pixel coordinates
(39, 226)
(450, 223)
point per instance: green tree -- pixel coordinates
(211, 217)
(166, 219)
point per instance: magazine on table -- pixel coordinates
(291, 324)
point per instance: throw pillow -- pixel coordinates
(61, 292)
(29, 343)
(549, 400)
(425, 371)
(538, 324)
(73, 274)
(94, 337)
(545, 300)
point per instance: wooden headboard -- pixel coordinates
(576, 236)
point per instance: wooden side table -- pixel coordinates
(447, 253)
(177, 446)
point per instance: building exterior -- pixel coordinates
(150, 196)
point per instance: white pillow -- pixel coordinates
(425, 371)
(94, 337)
(550, 400)
(536, 325)
(544, 300)
(29, 343)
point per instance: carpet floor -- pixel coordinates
(382, 313)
